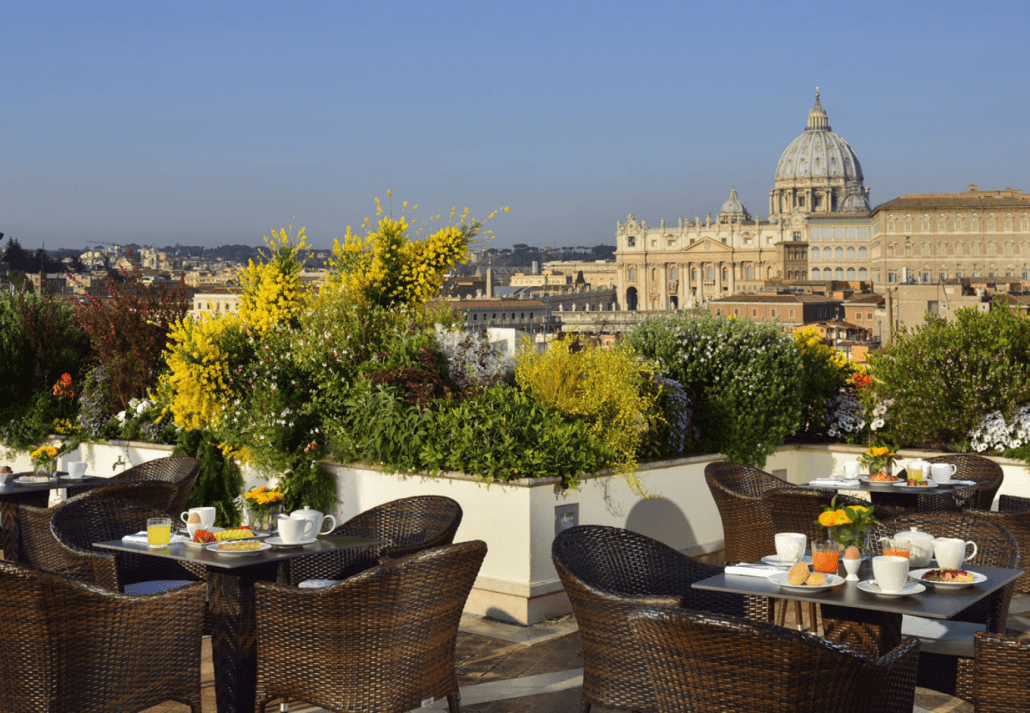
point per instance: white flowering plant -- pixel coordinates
(997, 435)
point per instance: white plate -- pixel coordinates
(775, 561)
(278, 542)
(904, 484)
(870, 585)
(213, 547)
(960, 482)
(917, 574)
(780, 578)
(32, 479)
(865, 479)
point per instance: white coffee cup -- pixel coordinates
(293, 529)
(76, 468)
(890, 573)
(942, 472)
(951, 552)
(851, 469)
(207, 517)
(790, 546)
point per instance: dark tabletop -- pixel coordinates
(61, 481)
(934, 603)
(894, 490)
(187, 553)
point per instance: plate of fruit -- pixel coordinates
(912, 483)
(947, 578)
(214, 535)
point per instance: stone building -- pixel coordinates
(934, 237)
(818, 179)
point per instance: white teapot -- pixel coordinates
(316, 519)
(920, 547)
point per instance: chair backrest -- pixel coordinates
(999, 676)
(746, 523)
(970, 466)
(37, 546)
(1014, 515)
(181, 470)
(79, 524)
(389, 636)
(608, 573)
(407, 524)
(797, 510)
(700, 661)
(70, 647)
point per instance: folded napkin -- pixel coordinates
(752, 570)
(835, 482)
(141, 538)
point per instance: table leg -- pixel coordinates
(233, 639)
(867, 632)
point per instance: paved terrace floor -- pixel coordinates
(539, 669)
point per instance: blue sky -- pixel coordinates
(213, 122)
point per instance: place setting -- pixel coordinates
(890, 576)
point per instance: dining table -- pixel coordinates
(231, 603)
(861, 620)
(897, 494)
(16, 491)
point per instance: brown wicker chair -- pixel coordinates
(71, 648)
(181, 470)
(1000, 681)
(37, 546)
(79, 524)
(746, 524)
(969, 466)
(382, 641)
(700, 661)
(609, 573)
(946, 660)
(1014, 514)
(407, 525)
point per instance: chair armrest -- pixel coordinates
(894, 685)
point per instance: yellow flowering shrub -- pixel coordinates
(825, 371)
(392, 266)
(272, 291)
(603, 387)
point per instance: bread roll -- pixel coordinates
(816, 579)
(798, 573)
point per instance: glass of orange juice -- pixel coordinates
(825, 557)
(159, 531)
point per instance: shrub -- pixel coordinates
(128, 332)
(945, 376)
(825, 371)
(743, 379)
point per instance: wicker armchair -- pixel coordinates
(700, 661)
(407, 525)
(797, 509)
(79, 524)
(1014, 515)
(1000, 681)
(969, 466)
(382, 641)
(946, 659)
(181, 470)
(37, 546)
(69, 647)
(746, 524)
(609, 573)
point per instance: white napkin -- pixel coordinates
(835, 482)
(752, 570)
(140, 538)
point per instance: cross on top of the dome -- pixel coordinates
(817, 120)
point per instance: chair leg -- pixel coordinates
(799, 624)
(780, 612)
(584, 707)
(452, 704)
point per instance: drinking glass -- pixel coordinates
(825, 557)
(159, 531)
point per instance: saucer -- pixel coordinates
(870, 585)
(775, 561)
(278, 542)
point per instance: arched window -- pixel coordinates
(851, 253)
(1024, 224)
(633, 274)
(816, 274)
(815, 253)
(672, 273)
(891, 224)
(838, 274)
(693, 275)
(725, 275)
(827, 273)
(851, 273)
(974, 222)
(863, 274)
(863, 254)
(990, 223)
(838, 254)
(711, 274)
(1008, 223)
(654, 274)
(941, 224)
(926, 223)
(750, 272)
(908, 224)
(958, 223)
(827, 254)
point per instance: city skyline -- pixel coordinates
(211, 124)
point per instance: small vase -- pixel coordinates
(264, 520)
(45, 466)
